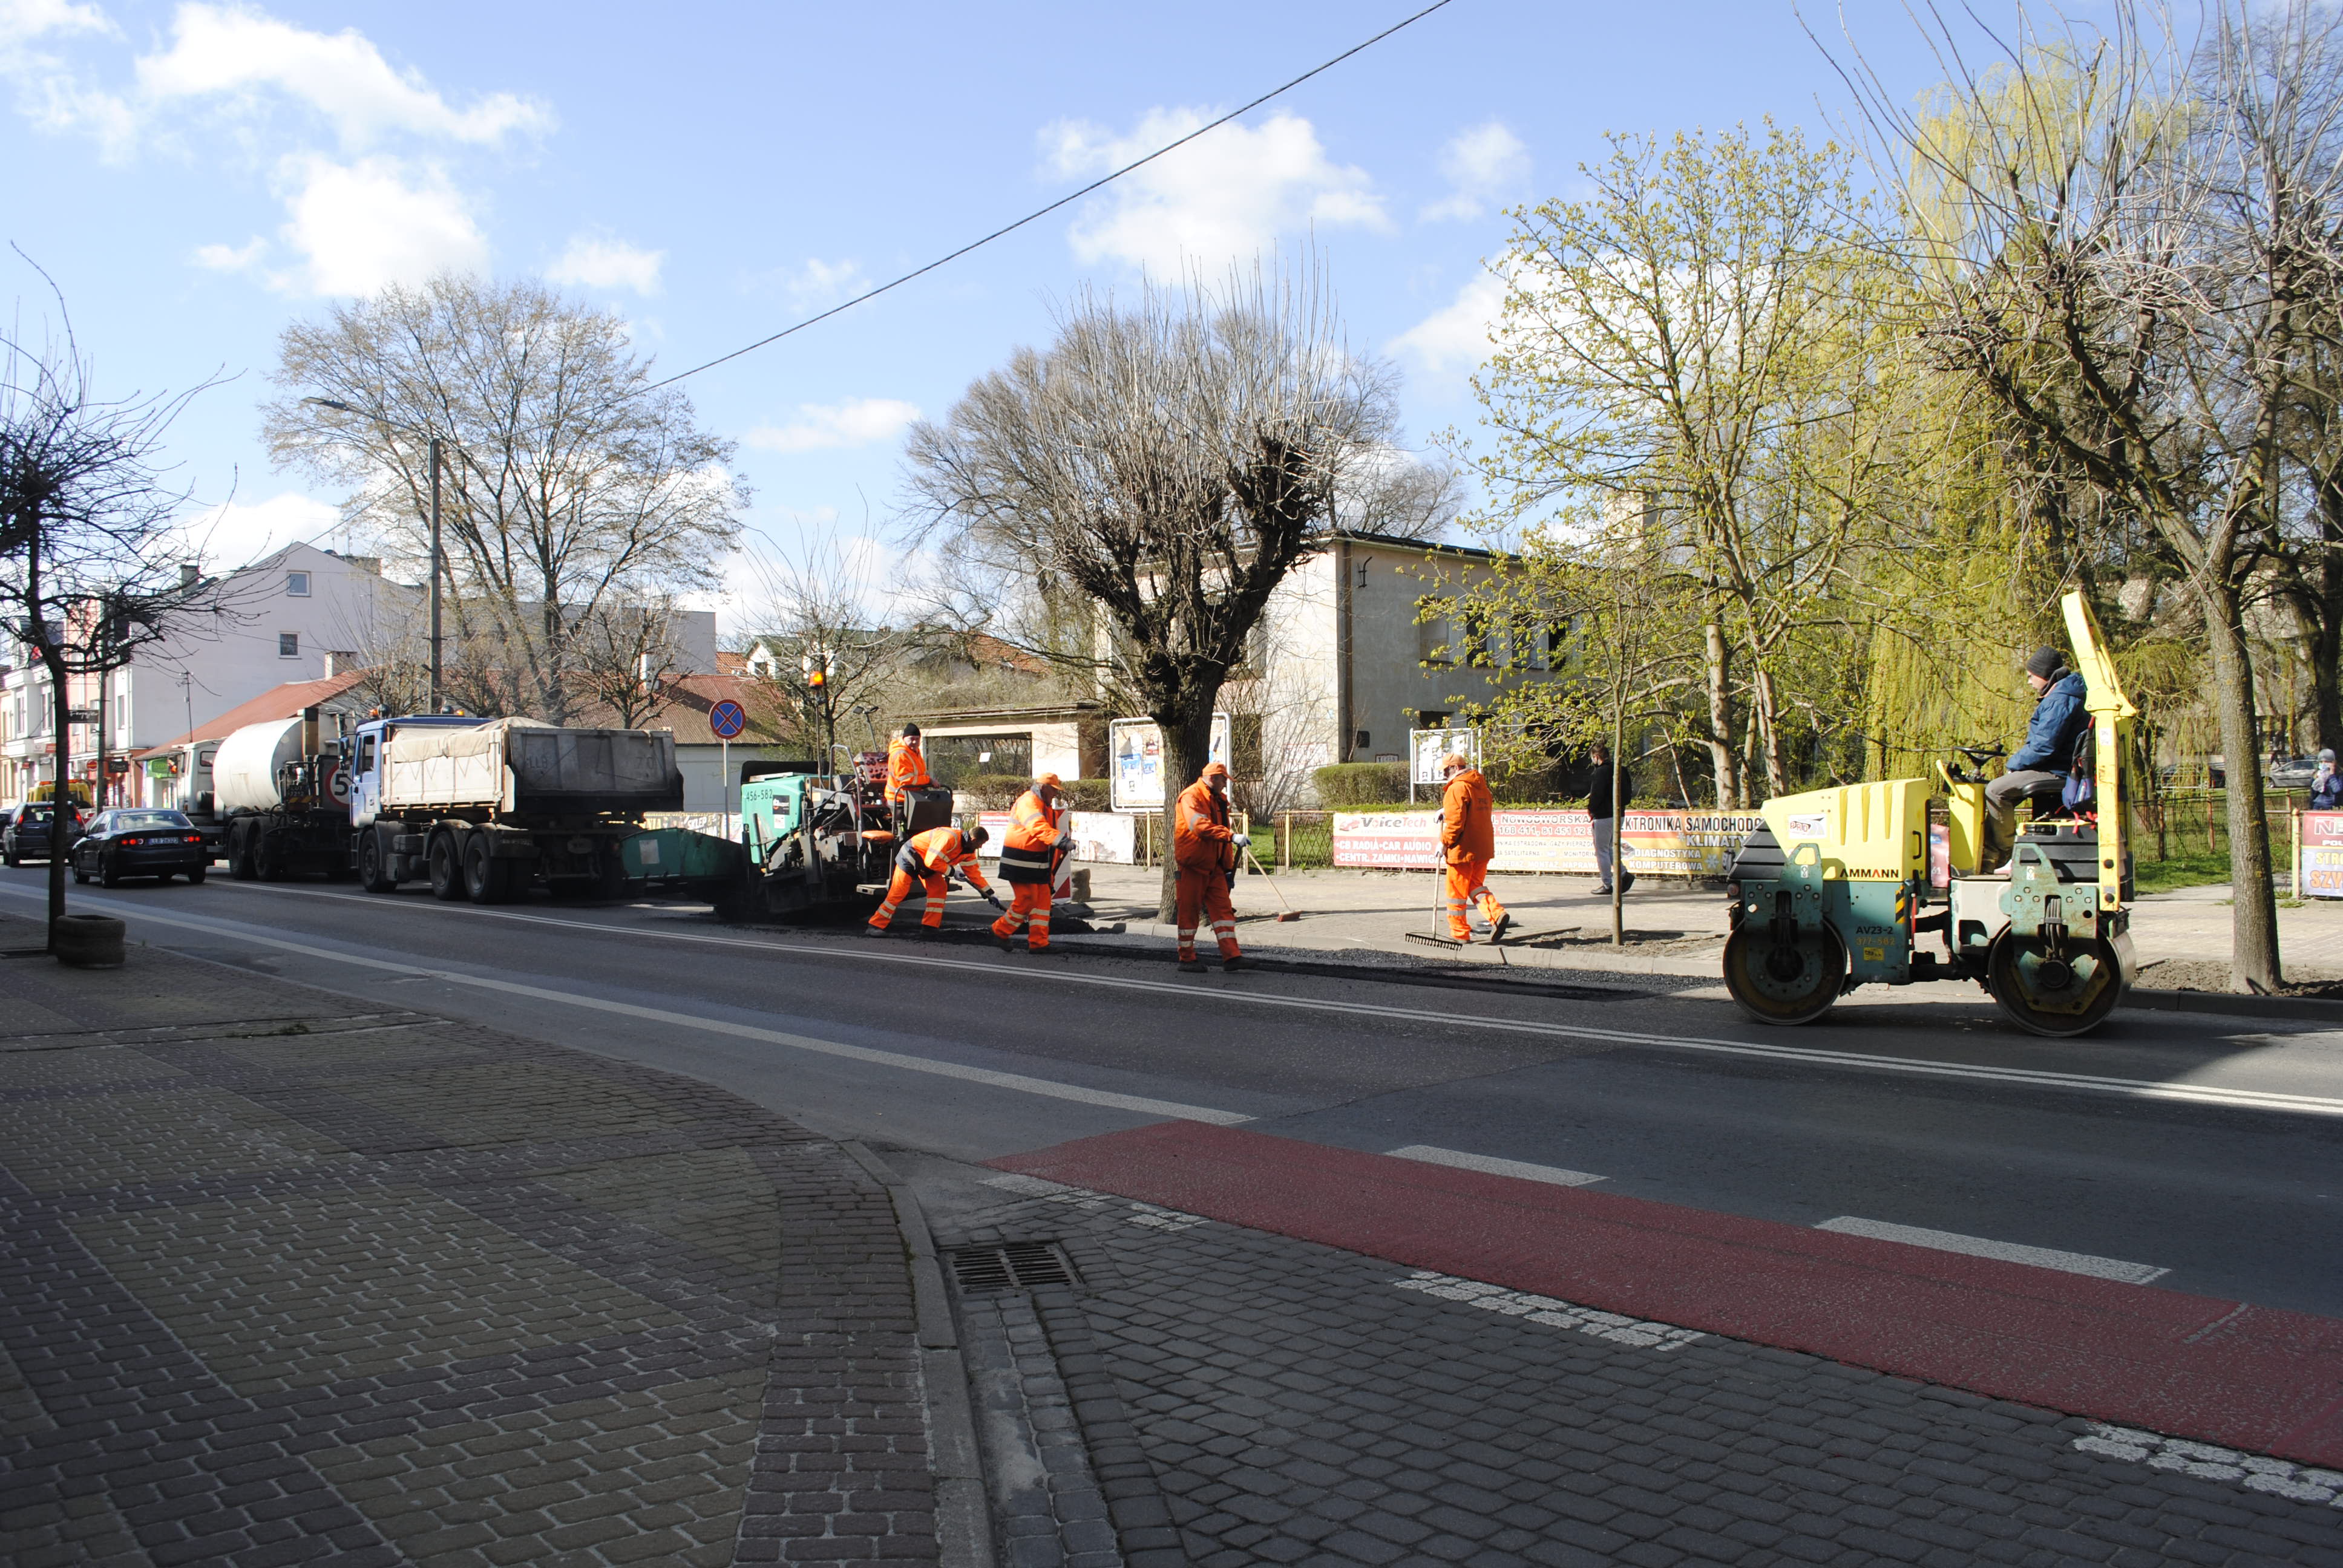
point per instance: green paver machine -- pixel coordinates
(819, 839)
(1840, 887)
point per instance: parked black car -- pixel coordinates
(26, 835)
(140, 843)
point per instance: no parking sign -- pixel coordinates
(728, 719)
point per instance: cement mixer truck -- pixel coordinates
(284, 798)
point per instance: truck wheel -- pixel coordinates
(373, 875)
(484, 880)
(242, 864)
(447, 867)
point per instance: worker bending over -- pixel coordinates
(928, 861)
(1029, 863)
(1468, 839)
(907, 767)
(1205, 852)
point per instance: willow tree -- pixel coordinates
(1692, 342)
(1163, 464)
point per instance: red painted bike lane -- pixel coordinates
(2255, 1378)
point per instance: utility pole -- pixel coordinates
(435, 702)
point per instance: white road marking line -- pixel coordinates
(1808, 1056)
(1489, 1164)
(2302, 1483)
(2007, 1252)
(1047, 1087)
(1553, 1313)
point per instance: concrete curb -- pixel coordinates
(964, 1518)
(2303, 1007)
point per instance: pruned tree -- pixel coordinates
(569, 482)
(2123, 246)
(1152, 476)
(91, 563)
(810, 606)
(626, 653)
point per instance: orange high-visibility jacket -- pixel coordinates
(906, 768)
(1201, 840)
(1468, 823)
(1032, 825)
(942, 849)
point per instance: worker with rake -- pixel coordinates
(1468, 842)
(1029, 864)
(1204, 854)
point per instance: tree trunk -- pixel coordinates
(1187, 733)
(1618, 817)
(1769, 730)
(61, 811)
(2253, 913)
(1729, 796)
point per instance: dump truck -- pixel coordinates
(486, 808)
(282, 797)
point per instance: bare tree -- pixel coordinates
(625, 655)
(811, 608)
(1161, 468)
(88, 570)
(569, 482)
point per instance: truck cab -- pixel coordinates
(365, 748)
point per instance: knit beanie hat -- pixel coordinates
(2047, 662)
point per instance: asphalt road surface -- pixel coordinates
(2207, 1146)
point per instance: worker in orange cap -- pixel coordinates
(1029, 863)
(1468, 842)
(907, 767)
(1204, 851)
(926, 862)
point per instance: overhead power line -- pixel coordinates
(1102, 181)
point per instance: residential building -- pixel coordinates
(298, 614)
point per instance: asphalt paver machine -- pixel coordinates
(817, 840)
(1883, 883)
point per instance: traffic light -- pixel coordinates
(816, 669)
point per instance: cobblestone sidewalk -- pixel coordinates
(1295, 1404)
(281, 1281)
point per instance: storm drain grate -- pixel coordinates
(1016, 1266)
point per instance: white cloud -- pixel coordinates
(1225, 196)
(856, 422)
(232, 258)
(48, 92)
(360, 226)
(1456, 337)
(1483, 165)
(592, 263)
(819, 283)
(239, 533)
(235, 56)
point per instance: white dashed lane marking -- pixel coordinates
(2007, 1252)
(1550, 1313)
(2302, 1483)
(1489, 1164)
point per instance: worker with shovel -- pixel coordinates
(928, 862)
(1468, 840)
(1029, 863)
(1204, 851)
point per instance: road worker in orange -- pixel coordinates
(907, 767)
(1205, 852)
(1468, 842)
(926, 862)
(1029, 863)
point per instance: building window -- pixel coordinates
(297, 584)
(288, 645)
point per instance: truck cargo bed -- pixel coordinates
(514, 765)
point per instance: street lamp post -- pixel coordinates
(433, 444)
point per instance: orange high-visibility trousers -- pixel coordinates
(931, 916)
(1205, 894)
(1029, 906)
(1468, 884)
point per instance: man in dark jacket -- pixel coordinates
(2041, 761)
(1602, 812)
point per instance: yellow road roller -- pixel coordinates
(1882, 883)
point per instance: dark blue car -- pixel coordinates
(140, 843)
(25, 835)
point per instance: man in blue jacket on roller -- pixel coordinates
(2041, 763)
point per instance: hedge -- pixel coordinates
(1349, 784)
(999, 791)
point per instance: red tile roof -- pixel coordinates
(285, 702)
(685, 702)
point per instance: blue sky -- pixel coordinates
(196, 175)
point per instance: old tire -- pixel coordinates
(2057, 998)
(87, 941)
(374, 871)
(447, 867)
(1788, 985)
(484, 879)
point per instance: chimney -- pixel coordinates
(341, 661)
(309, 732)
(190, 574)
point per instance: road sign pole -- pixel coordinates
(724, 768)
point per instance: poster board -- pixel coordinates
(1425, 747)
(1657, 843)
(2319, 870)
(1100, 838)
(1135, 760)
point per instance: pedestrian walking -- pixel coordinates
(1602, 809)
(1204, 855)
(1468, 839)
(927, 863)
(1029, 863)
